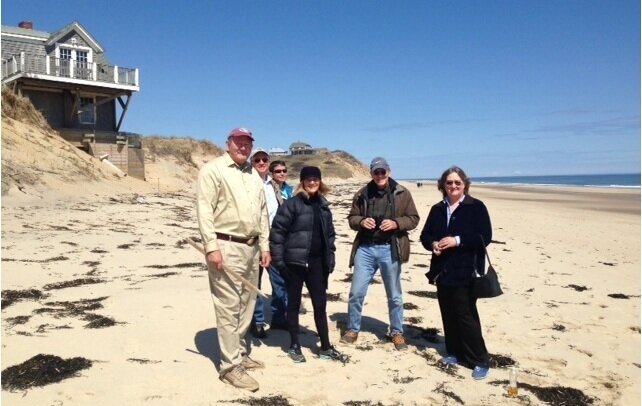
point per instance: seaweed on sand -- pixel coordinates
(275, 400)
(42, 370)
(9, 297)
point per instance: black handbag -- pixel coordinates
(486, 285)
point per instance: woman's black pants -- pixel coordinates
(315, 280)
(462, 328)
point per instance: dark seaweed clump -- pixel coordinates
(362, 403)
(447, 393)
(9, 297)
(619, 296)
(42, 370)
(578, 288)
(73, 283)
(555, 395)
(500, 361)
(423, 293)
(276, 400)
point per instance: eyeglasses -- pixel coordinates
(379, 172)
(316, 180)
(280, 171)
(456, 182)
(257, 160)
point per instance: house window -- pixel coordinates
(65, 53)
(65, 58)
(82, 65)
(87, 111)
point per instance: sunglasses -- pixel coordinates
(257, 160)
(280, 171)
(379, 172)
(456, 182)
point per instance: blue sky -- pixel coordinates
(499, 88)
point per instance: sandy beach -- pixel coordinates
(109, 278)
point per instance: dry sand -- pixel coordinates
(560, 253)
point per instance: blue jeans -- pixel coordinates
(368, 259)
(279, 299)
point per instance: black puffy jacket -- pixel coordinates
(291, 233)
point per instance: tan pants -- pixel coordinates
(234, 303)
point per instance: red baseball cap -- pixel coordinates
(241, 132)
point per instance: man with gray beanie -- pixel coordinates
(382, 213)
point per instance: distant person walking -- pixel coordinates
(456, 231)
(382, 213)
(276, 191)
(302, 244)
(232, 218)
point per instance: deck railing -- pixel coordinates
(68, 68)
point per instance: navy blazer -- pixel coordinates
(471, 222)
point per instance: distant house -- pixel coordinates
(278, 152)
(301, 148)
(67, 76)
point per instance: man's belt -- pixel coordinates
(227, 237)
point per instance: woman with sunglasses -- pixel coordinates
(456, 231)
(302, 247)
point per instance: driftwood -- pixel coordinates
(234, 275)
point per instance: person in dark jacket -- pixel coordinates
(302, 242)
(382, 213)
(457, 231)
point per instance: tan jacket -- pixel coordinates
(231, 200)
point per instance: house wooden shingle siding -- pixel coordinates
(301, 148)
(67, 76)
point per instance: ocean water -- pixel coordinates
(625, 180)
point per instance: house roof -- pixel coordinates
(24, 32)
(299, 144)
(75, 26)
(51, 39)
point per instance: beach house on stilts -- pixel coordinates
(68, 78)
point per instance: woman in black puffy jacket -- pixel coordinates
(302, 248)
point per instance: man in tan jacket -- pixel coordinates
(233, 222)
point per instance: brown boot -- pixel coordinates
(350, 337)
(399, 341)
(238, 377)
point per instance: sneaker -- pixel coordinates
(349, 337)
(449, 360)
(399, 341)
(295, 354)
(279, 325)
(258, 331)
(480, 372)
(333, 354)
(238, 377)
(249, 363)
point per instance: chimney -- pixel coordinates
(26, 25)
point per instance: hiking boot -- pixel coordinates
(238, 377)
(249, 363)
(333, 354)
(399, 341)
(295, 354)
(349, 337)
(258, 331)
